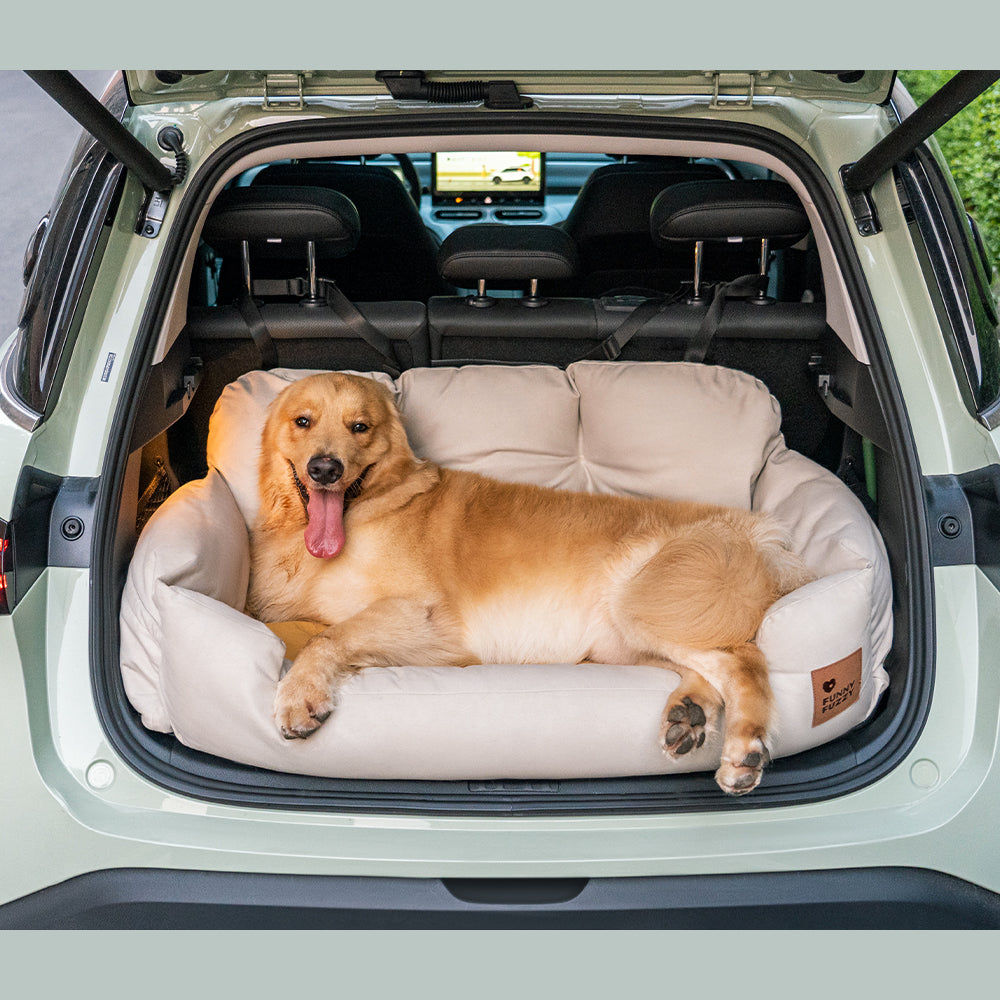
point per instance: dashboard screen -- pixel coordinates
(487, 178)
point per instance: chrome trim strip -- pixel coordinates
(10, 403)
(989, 416)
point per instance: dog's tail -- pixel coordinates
(774, 544)
(709, 583)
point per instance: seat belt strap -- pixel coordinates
(258, 330)
(611, 347)
(699, 344)
(360, 326)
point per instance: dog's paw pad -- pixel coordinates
(299, 712)
(300, 730)
(683, 728)
(742, 777)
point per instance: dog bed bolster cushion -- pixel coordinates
(195, 665)
(200, 544)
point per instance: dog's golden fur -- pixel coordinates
(437, 566)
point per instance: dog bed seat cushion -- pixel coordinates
(194, 664)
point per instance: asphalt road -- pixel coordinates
(36, 139)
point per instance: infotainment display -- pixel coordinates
(487, 178)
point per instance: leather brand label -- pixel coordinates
(836, 687)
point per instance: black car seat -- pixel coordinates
(609, 223)
(396, 255)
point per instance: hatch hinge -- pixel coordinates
(740, 91)
(154, 208)
(285, 91)
(862, 206)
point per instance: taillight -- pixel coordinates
(6, 570)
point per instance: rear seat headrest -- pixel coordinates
(267, 214)
(494, 251)
(728, 210)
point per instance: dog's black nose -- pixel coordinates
(324, 469)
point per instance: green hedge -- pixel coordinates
(970, 143)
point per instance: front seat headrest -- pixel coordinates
(726, 211)
(269, 217)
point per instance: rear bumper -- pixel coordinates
(876, 898)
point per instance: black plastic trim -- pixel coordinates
(964, 516)
(412, 85)
(862, 206)
(50, 525)
(844, 766)
(848, 899)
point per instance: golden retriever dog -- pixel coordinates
(406, 562)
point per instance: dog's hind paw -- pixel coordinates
(683, 727)
(301, 707)
(738, 778)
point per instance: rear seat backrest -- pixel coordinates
(396, 253)
(560, 330)
(609, 223)
(485, 327)
(277, 223)
(773, 341)
(728, 214)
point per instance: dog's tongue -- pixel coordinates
(325, 530)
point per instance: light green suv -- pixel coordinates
(218, 229)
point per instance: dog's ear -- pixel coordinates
(397, 430)
(279, 498)
(387, 396)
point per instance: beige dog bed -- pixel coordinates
(195, 665)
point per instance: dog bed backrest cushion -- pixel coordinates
(645, 428)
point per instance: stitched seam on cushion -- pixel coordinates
(477, 692)
(813, 593)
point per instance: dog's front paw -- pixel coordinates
(683, 727)
(302, 704)
(741, 772)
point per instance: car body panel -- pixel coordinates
(81, 806)
(869, 86)
(918, 816)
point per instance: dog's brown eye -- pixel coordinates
(359, 428)
(302, 421)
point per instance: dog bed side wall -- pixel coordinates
(197, 540)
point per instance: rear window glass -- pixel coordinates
(958, 220)
(66, 251)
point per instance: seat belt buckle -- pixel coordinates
(611, 348)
